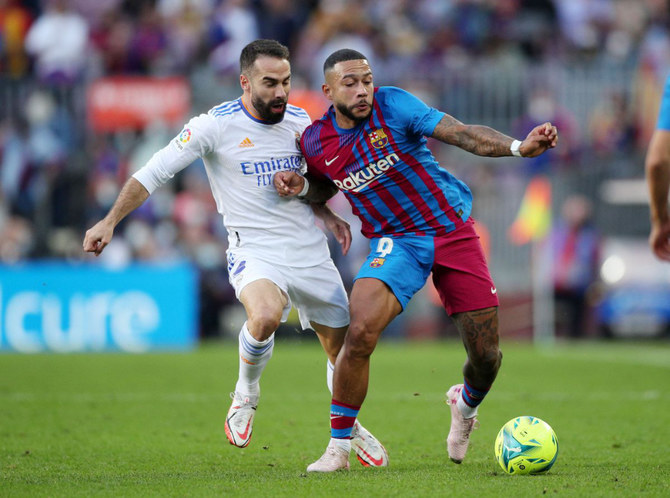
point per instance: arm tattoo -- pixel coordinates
(477, 139)
(320, 190)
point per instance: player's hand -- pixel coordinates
(659, 239)
(97, 237)
(540, 139)
(288, 183)
(340, 228)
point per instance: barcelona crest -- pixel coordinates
(378, 138)
(377, 262)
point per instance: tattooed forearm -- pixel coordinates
(477, 139)
(485, 141)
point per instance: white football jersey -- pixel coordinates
(241, 155)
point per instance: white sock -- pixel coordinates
(330, 370)
(466, 410)
(341, 444)
(254, 355)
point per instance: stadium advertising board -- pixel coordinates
(125, 102)
(65, 308)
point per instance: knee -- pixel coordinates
(360, 341)
(262, 323)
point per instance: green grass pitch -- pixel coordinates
(152, 425)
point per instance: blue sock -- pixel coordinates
(471, 396)
(342, 419)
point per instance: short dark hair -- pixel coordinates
(271, 48)
(344, 54)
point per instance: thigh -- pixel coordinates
(263, 296)
(460, 272)
(319, 295)
(260, 286)
(401, 263)
(373, 306)
(245, 268)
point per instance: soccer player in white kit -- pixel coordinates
(277, 256)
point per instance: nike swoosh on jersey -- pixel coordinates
(328, 163)
(493, 290)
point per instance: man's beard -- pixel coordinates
(265, 112)
(346, 112)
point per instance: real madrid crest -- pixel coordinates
(378, 138)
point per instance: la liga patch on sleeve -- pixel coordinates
(182, 139)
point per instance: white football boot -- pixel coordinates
(332, 460)
(369, 451)
(461, 427)
(240, 419)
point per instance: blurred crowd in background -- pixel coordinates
(594, 67)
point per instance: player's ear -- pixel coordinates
(325, 88)
(244, 82)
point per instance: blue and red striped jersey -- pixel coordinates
(385, 169)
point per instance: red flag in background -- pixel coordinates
(534, 218)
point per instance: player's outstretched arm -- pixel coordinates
(657, 169)
(290, 184)
(333, 222)
(132, 195)
(485, 141)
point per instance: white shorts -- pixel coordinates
(317, 292)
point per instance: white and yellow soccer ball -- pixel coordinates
(526, 445)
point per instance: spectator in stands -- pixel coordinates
(234, 25)
(16, 238)
(543, 106)
(575, 247)
(15, 20)
(58, 41)
(611, 130)
(148, 47)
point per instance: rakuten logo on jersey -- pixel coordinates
(362, 178)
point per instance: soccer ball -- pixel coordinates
(526, 445)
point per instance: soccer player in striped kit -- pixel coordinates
(371, 145)
(277, 256)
